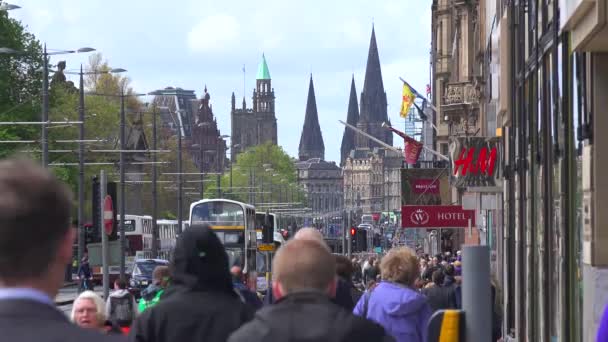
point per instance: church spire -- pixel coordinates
(311, 141)
(348, 139)
(373, 104)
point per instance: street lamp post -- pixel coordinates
(218, 165)
(45, 97)
(81, 134)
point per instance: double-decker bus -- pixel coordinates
(234, 224)
(167, 236)
(138, 236)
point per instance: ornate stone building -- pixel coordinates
(321, 180)
(371, 173)
(372, 180)
(201, 139)
(457, 54)
(208, 144)
(257, 125)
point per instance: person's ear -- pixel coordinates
(277, 290)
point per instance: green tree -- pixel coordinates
(262, 174)
(20, 83)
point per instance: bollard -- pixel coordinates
(446, 326)
(476, 293)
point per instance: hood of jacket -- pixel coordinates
(200, 262)
(398, 300)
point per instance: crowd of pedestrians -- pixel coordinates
(315, 296)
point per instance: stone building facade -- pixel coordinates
(257, 125)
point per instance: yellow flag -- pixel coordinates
(406, 100)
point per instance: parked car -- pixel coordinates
(141, 275)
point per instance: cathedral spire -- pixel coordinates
(348, 139)
(311, 141)
(373, 104)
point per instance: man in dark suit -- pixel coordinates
(35, 245)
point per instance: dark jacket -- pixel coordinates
(250, 297)
(200, 304)
(29, 320)
(344, 295)
(310, 317)
(440, 297)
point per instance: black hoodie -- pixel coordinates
(200, 304)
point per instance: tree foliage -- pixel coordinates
(20, 83)
(262, 174)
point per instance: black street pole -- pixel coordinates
(45, 108)
(81, 170)
(202, 168)
(154, 189)
(217, 162)
(122, 183)
(179, 174)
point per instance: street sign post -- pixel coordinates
(108, 215)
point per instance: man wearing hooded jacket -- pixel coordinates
(305, 280)
(200, 304)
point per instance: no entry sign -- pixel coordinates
(436, 216)
(108, 217)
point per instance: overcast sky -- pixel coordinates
(190, 43)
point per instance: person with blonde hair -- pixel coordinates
(394, 303)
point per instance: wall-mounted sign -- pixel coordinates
(475, 161)
(436, 216)
(425, 186)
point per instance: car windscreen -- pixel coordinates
(146, 268)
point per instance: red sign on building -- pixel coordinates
(436, 216)
(425, 186)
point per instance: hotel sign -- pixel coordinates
(436, 216)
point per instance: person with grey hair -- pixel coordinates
(304, 273)
(36, 241)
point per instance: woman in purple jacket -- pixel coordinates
(394, 303)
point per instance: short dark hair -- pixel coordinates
(438, 277)
(344, 267)
(34, 217)
(121, 283)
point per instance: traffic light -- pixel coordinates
(267, 230)
(353, 231)
(361, 240)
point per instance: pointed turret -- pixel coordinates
(263, 72)
(373, 100)
(233, 102)
(348, 139)
(311, 141)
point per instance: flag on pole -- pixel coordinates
(406, 100)
(412, 148)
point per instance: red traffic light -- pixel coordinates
(353, 231)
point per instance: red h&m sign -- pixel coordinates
(475, 161)
(425, 186)
(436, 216)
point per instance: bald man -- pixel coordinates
(344, 287)
(304, 272)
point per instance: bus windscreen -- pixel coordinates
(219, 215)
